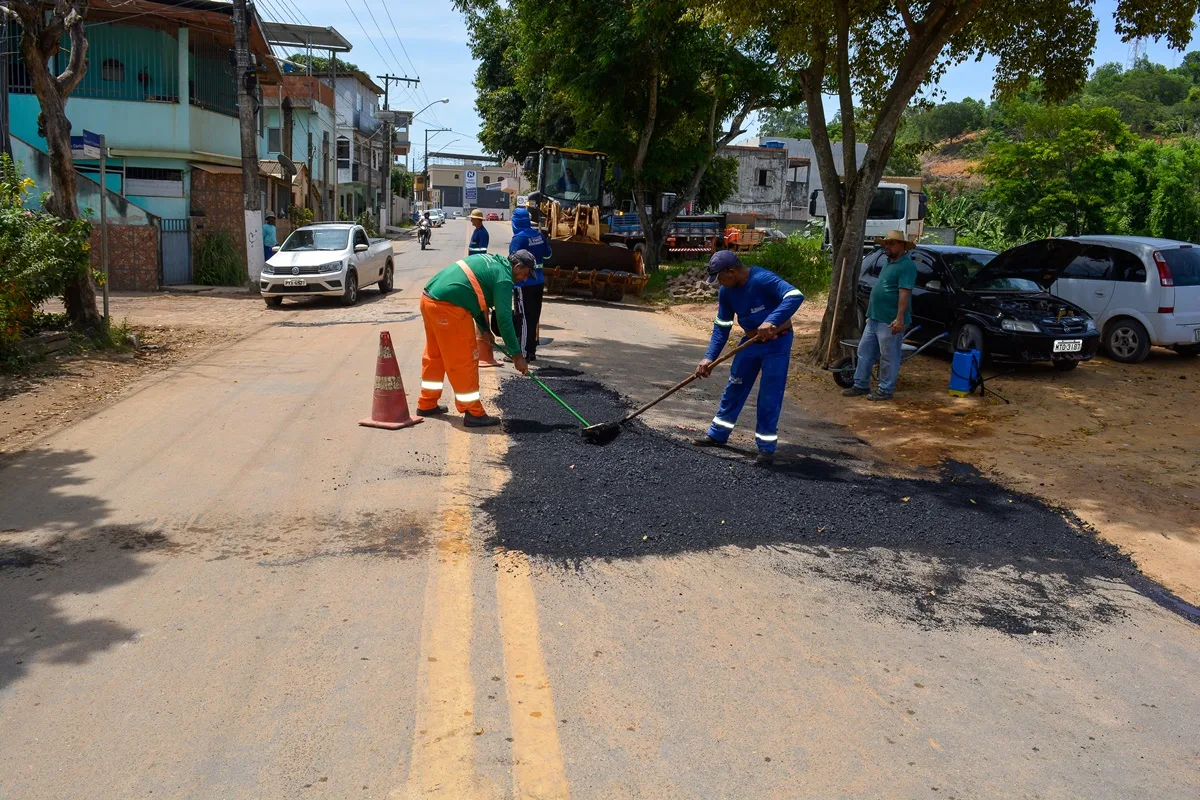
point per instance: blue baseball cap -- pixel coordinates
(720, 261)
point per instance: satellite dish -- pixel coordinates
(288, 165)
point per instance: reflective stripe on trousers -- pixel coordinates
(449, 350)
(771, 359)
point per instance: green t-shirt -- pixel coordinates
(885, 296)
(494, 274)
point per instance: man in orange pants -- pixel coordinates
(454, 304)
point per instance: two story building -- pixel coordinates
(161, 86)
(363, 157)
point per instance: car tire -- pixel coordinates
(843, 375)
(273, 302)
(1187, 350)
(350, 293)
(1065, 366)
(385, 283)
(1126, 341)
(969, 336)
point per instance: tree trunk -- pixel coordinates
(40, 39)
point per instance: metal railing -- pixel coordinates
(125, 62)
(213, 84)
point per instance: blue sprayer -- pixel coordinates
(964, 372)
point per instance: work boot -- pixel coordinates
(854, 391)
(764, 459)
(707, 441)
(877, 395)
(472, 421)
(436, 411)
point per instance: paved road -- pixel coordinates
(222, 587)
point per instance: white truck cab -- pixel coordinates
(896, 206)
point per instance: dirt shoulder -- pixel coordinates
(1114, 443)
(171, 329)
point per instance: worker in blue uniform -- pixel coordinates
(479, 236)
(764, 304)
(527, 295)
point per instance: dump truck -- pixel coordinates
(566, 209)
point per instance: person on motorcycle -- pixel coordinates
(425, 228)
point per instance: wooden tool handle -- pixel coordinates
(688, 380)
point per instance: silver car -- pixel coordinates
(1141, 291)
(334, 258)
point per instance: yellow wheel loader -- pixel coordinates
(566, 209)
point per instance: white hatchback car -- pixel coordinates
(1140, 291)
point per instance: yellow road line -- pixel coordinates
(443, 750)
(538, 768)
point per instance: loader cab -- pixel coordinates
(572, 177)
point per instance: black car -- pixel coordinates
(991, 303)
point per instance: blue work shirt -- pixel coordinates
(527, 237)
(270, 237)
(479, 241)
(765, 297)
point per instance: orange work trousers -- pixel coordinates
(450, 344)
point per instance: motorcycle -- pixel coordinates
(423, 235)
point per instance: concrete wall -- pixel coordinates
(217, 205)
(750, 197)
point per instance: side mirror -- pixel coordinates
(361, 248)
(530, 164)
(275, 249)
(935, 286)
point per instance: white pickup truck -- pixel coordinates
(327, 258)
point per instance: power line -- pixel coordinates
(399, 40)
(395, 61)
(364, 31)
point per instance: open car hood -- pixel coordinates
(1042, 262)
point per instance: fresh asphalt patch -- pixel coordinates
(941, 553)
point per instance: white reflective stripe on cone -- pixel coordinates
(766, 438)
(722, 423)
(433, 386)
(723, 323)
(469, 397)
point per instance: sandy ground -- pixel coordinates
(171, 328)
(1116, 444)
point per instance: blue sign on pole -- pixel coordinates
(86, 146)
(471, 195)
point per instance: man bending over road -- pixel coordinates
(454, 303)
(764, 304)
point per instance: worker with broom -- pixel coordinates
(454, 304)
(764, 304)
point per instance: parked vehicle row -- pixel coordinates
(1056, 300)
(330, 258)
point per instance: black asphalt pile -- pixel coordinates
(959, 550)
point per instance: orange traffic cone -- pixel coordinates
(389, 408)
(483, 351)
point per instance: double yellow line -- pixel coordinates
(442, 763)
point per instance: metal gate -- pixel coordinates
(175, 243)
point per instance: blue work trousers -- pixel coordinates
(771, 359)
(878, 343)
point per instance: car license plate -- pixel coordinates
(1068, 345)
(303, 282)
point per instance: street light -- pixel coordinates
(431, 105)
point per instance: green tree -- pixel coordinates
(718, 183)
(45, 28)
(1175, 199)
(1062, 169)
(787, 123)
(646, 81)
(882, 53)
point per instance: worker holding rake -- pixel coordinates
(764, 304)
(454, 304)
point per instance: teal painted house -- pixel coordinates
(160, 86)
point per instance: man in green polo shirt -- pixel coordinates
(454, 307)
(888, 315)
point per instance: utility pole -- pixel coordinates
(247, 85)
(387, 147)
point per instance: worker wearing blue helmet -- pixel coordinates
(763, 304)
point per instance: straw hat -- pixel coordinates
(896, 236)
(476, 213)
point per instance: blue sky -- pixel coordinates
(434, 48)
